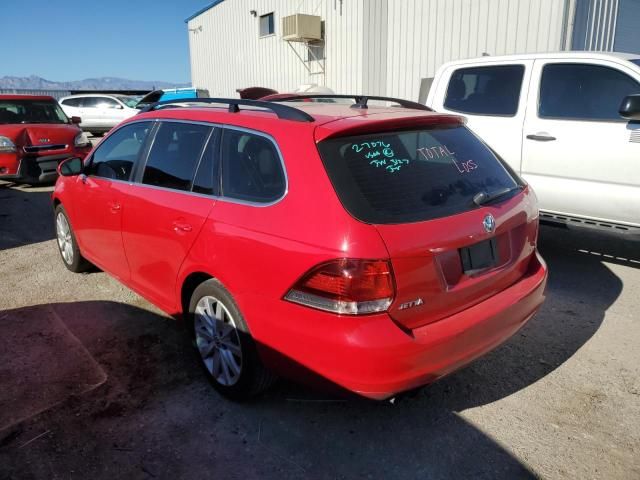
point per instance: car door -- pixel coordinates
(89, 111)
(168, 206)
(492, 96)
(578, 153)
(110, 112)
(100, 191)
(71, 107)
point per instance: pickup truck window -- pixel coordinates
(583, 91)
(491, 90)
(636, 61)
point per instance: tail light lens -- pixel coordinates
(346, 286)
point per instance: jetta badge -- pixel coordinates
(489, 223)
(43, 140)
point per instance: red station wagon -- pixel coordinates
(35, 136)
(377, 248)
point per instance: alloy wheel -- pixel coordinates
(65, 241)
(217, 340)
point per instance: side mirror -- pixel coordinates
(76, 120)
(70, 167)
(119, 107)
(630, 107)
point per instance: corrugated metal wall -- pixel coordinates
(380, 47)
(57, 94)
(627, 35)
(227, 52)
(595, 25)
(424, 34)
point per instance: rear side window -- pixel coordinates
(485, 90)
(414, 175)
(90, 102)
(251, 168)
(583, 92)
(116, 155)
(105, 102)
(72, 102)
(175, 153)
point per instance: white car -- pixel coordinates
(99, 113)
(557, 119)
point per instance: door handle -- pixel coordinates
(541, 137)
(114, 207)
(181, 227)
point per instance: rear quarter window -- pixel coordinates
(412, 176)
(251, 168)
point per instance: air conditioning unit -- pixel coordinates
(301, 28)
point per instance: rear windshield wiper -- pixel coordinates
(481, 198)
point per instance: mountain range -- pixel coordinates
(34, 82)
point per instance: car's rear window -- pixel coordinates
(411, 176)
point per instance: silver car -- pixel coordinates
(99, 112)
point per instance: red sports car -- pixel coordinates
(35, 136)
(378, 248)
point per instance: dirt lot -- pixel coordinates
(97, 383)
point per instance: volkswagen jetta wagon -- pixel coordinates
(368, 242)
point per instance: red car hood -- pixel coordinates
(40, 134)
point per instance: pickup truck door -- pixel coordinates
(493, 98)
(581, 158)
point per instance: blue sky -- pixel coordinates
(66, 40)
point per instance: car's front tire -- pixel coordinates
(224, 345)
(67, 244)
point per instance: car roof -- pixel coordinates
(83, 95)
(334, 118)
(548, 55)
(26, 97)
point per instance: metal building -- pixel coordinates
(387, 47)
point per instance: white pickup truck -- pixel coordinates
(568, 122)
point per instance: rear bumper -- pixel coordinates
(374, 358)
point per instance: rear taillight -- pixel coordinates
(346, 286)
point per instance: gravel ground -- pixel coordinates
(97, 383)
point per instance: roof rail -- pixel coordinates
(360, 100)
(285, 112)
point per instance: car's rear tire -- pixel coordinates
(224, 345)
(67, 244)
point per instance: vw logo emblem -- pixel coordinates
(489, 223)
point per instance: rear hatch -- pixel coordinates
(458, 224)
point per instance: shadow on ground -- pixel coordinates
(580, 289)
(156, 415)
(26, 215)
